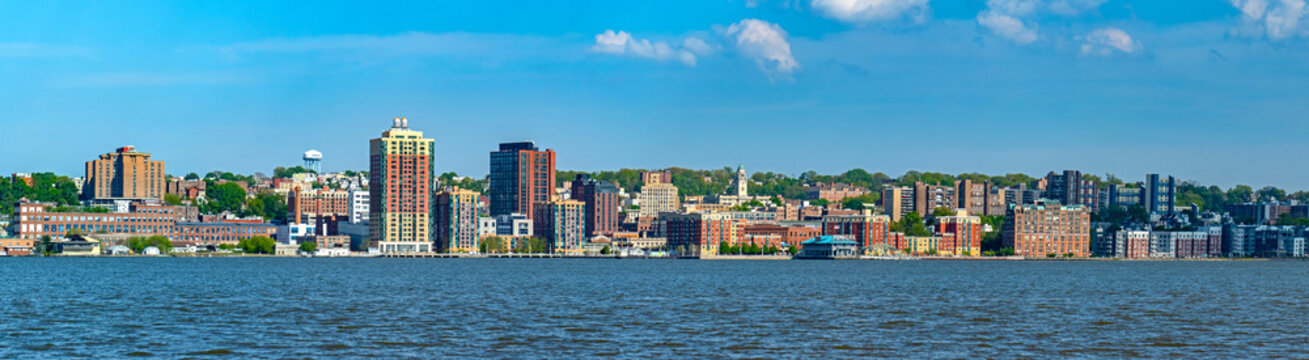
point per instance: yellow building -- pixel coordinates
(400, 190)
(921, 245)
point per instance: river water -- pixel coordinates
(571, 308)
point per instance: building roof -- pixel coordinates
(828, 240)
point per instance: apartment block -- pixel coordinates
(124, 174)
(866, 230)
(400, 190)
(1048, 227)
(601, 199)
(562, 224)
(960, 234)
(698, 234)
(455, 217)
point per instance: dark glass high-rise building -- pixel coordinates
(521, 176)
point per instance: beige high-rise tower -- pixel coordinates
(124, 174)
(400, 190)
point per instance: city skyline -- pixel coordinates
(1205, 91)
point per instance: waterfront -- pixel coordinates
(568, 308)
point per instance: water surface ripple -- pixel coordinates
(552, 308)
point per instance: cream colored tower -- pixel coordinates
(400, 190)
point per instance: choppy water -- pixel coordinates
(499, 308)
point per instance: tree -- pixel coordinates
(286, 173)
(258, 245)
(942, 211)
(1240, 194)
(138, 244)
(224, 197)
(490, 245)
(1269, 193)
(173, 199)
(818, 202)
(192, 177)
(532, 245)
(44, 247)
(605, 250)
(861, 202)
(308, 246)
(912, 225)
(267, 205)
(793, 250)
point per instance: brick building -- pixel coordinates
(124, 174)
(867, 230)
(790, 235)
(960, 234)
(699, 234)
(303, 206)
(601, 199)
(521, 176)
(833, 192)
(1048, 228)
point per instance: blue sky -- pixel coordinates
(1209, 90)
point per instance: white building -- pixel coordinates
(513, 225)
(657, 198)
(292, 233)
(358, 206)
(486, 226)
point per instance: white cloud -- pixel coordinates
(697, 46)
(1074, 7)
(1104, 41)
(862, 11)
(622, 43)
(765, 43)
(1276, 19)
(1008, 27)
(1016, 20)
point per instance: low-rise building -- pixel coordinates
(960, 234)
(698, 234)
(77, 245)
(923, 245)
(833, 192)
(829, 247)
(16, 247)
(792, 235)
(220, 233)
(866, 230)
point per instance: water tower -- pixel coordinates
(314, 161)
